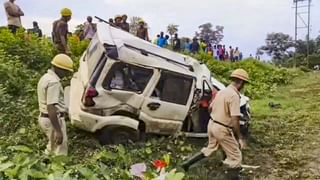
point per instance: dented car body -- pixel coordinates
(126, 87)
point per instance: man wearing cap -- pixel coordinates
(124, 25)
(60, 31)
(224, 126)
(14, 14)
(52, 106)
(142, 31)
(118, 21)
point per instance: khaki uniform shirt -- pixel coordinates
(12, 20)
(50, 91)
(225, 105)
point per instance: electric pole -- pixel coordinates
(308, 36)
(295, 35)
(301, 9)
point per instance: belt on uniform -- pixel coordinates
(44, 115)
(221, 124)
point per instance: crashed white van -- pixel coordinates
(126, 87)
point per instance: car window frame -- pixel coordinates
(191, 78)
(203, 85)
(108, 78)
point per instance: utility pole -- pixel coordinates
(308, 36)
(295, 35)
(300, 9)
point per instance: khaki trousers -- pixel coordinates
(52, 147)
(220, 136)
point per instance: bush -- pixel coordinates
(24, 58)
(35, 53)
(301, 60)
(304, 69)
(264, 78)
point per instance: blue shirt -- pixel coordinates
(187, 46)
(162, 42)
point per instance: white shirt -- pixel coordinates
(15, 21)
(89, 30)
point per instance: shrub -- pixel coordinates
(264, 78)
(35, 53)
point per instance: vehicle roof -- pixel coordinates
(129, 47)
(201, 71)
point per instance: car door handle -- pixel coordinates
(153, 106)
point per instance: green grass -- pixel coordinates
(284, 141)
(287, 134)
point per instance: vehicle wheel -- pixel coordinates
(117, 135)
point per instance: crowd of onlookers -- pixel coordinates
(196, 45)
(118, 21)
(219, 52)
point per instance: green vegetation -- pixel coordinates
(283, 143)
(264, 78)
(281, 47)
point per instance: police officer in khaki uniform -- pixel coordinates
(224, 126)
(52, 106)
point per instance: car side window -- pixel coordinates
(127, 77)
(173, 88)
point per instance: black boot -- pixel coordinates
(197, 157)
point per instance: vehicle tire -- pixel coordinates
(117, 135)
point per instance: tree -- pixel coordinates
(318, 44)
(79, 31)
(134, 24)
(278, 45)
(209, 34)
(301, 47)
(172, 29)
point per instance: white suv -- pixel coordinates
(126, 87)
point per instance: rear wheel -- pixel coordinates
(117, 135)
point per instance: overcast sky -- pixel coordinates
(246, 22)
